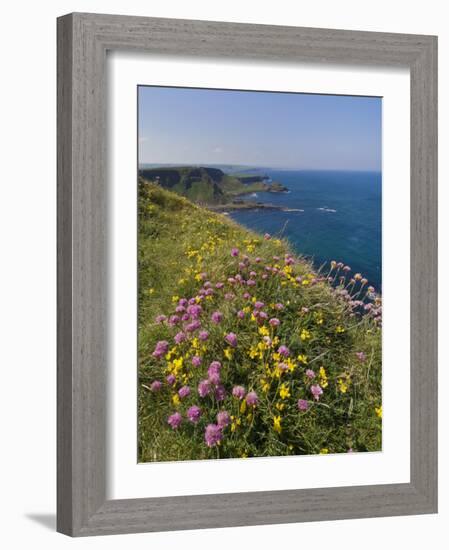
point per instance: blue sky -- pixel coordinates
(282, 130)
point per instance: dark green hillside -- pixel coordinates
(205, 185)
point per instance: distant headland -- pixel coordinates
(212, 187)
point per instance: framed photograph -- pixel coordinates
(247, 274)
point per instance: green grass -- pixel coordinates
(179, 242)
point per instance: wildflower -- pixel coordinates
(220, 392)
(219, 285)
(203, 335)
(176, 400)
(234, 252)
(339, 329)
(185, 317)
(196, 360)
(263, 331)
(180, 337)
(161, 319)
(324, 451)
(238, 392)
(194, 414)
(251, 282)
(361, 356)
(310, 374)
(241, 314)
(252, 399)
(231, 339)
(160, 349)
(267, 236)
(156, 385)
(184, 392)
(229, 296)
(175, 420)
(223, 419)
(246, 295)
(204, 388)
(378, 411)
(284, 392)
(342, 386)
(228, 352)
(259, 305)
(216, 317)
(316, 391)
(213, 375)
(305, 335)
(194, 325)
(274, 322)
(180, 309)
(171, 379)
(194, 310)
(323, 377)
(283, 350)
(302, 359)
(212, 435)
(279, 306)
(277, 424)
(303, 405)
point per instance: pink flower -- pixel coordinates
(361, 356)
(196, 360)
(303, 405)
(204, 388)
(238, 392)
(175, 420)
(171, 379)
(246, 295)
(252, 399)
(216, 317)
(283, 350)
(310, 373)
(156, 385)
(161, 319)
(267, 236)
(194, 310)
(203, 335)
(184, 392)
(317, 391)
(212, 435)
(180, 337)
(259, 305)
(241, 314)
(194, 414)
(274, 322)
(223, 419)
(219, 285)
(160, 349)
(279, 306)
(234, 252)
(185, 317)
(213, 373)
(220, 392)
(194, 325)
(231, 339)
(182, 302)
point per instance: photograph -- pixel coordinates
(259, 274)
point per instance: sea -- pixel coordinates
(332, 215)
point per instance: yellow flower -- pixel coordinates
(339, 329)
(284, 392)
(265, 385)
(228, 353)
(198, 277)
(151, 291)
(323, 378)
(324, 451)
(243, 406)
(378, 411)
(176, 400)
(263, 331)
(175, 298)
(302, 359)
(280, 406)
(342, 386)
(277, 424)
(305, 334)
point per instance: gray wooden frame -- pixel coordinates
(83, 40)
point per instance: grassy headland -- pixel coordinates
(206, 185)
(244, 350)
